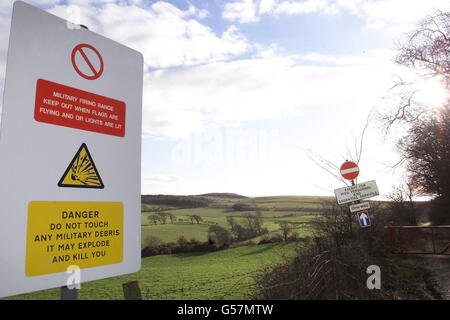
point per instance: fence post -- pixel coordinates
(432, 240)
(69, 294)
(131, 290)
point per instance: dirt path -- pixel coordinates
(439, 272)
(438, 276)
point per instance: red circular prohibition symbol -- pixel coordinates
(349, 170)
(95, 73)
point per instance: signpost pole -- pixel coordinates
(69, 294)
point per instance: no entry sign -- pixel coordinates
(349, 170)
(70, 162)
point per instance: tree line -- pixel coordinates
(161, 217)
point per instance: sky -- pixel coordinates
(238, 93)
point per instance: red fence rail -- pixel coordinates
(396, 239)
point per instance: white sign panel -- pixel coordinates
(359, 207)
(357, 192)
(70, 162)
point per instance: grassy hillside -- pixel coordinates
(226, 274)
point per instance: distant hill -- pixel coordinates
(176, 201)
(223, 195)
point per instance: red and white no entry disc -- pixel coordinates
(349, 170)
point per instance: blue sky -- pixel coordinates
(236, 93)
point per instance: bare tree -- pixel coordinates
(425, 149)
(427, 47)
(171, 217)
(197, 218)
(286, 229)
(354, 154)
(427, 52)
(153, 218)
(403, 206)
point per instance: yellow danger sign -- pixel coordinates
(81, 172)
(65, 233)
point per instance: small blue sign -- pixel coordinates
(364, 220)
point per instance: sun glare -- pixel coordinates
(432, 93)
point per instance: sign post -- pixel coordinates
(70, 142)
(356, 192)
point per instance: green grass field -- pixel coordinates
(292, 209)
(171, 232)
(226, 274)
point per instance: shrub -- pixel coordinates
(265, 241)
(152, 241)
(333, 264)
(239, 206)
(220, 236)
(439, 212)
(276, 238)
(182, 242)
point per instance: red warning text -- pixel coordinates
(69, 107)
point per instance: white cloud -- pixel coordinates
(246, 11)
(266, 6)
(243, 11)
(162, 178)
(199, 13)
(179, 102)
(396, 16)
(305, 7)
(166, 184)
(166, 36)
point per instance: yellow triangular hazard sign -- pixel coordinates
(81, 172)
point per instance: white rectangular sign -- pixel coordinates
(70, 162)
(359, 207)
(357, 192)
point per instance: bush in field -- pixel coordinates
(155, 246)
(276, 238)
(286, 229)
(194, 242)
(153, 218)
(239, 206)
(252, 227)
(152, 241)
(221, 237)
(182, 242)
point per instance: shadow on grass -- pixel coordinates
(191, 254)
